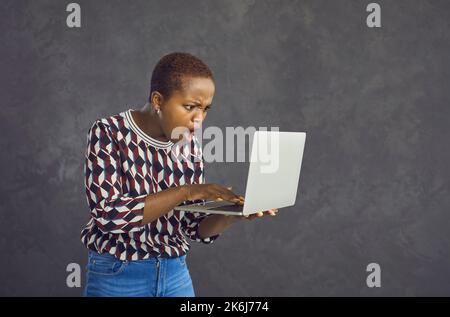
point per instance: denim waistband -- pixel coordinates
(93, 254)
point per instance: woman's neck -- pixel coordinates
(148, 122)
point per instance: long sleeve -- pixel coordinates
(191, 221)
(112, 210)
(190, 225)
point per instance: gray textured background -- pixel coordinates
(375, 104)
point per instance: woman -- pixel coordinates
(137, 243)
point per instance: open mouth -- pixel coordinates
(189, 135)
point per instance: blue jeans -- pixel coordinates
(108, 276)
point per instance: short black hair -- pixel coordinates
(171, 68)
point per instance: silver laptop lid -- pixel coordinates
(273, 176)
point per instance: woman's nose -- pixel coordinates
(197, 123)
(198, 118)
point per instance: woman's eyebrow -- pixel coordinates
(199, 104)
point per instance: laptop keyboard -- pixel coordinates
(220, 205)
(236, 208)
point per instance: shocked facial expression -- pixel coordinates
(186, 109)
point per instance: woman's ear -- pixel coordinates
(156, 100)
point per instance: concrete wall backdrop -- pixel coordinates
(374, 185)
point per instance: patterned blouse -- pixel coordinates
(122, 166)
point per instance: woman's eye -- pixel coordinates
(191, 107)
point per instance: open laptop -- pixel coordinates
(273, 176)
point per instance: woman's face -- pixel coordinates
(186, 108)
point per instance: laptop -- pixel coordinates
(273, 176)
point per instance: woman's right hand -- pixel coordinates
(212, 192)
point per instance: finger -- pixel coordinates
(222, 197)
(255, 215)
(227, 194)
(223, 193)
(230, 196)
(233, 200)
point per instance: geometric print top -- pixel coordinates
(122, 166)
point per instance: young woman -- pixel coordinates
(137, 243)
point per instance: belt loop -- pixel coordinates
(158, 276)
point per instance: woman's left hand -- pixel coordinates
(270, 212)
